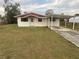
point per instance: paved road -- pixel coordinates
(70, 35)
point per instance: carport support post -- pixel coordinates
(65, 22)
(73, 25)
(51, 21)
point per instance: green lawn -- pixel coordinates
(34, 43)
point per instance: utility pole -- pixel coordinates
(73, 25)
(65, 22)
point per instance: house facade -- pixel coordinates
(37, 20)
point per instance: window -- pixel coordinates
(31, 19)
(39, 19)
(50, 18)
(54, 20)
(24, 19)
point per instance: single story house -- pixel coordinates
(37, 20)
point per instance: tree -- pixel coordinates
(11, 9)
(1, 17)
(49, 13)
(5, 1)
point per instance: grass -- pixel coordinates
(34, 43)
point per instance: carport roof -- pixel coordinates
(62, 16)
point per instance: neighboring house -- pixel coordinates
(74, 19)
(37, 20)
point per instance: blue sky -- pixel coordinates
(36, 1)
(40, 6)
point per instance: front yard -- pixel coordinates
(34, 43)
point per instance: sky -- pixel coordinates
(69, 7)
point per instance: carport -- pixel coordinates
(74, 20)
(62, 18)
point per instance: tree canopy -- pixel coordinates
(11, 10)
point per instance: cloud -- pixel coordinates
(40, 6)
(1, 10)
(57, 6)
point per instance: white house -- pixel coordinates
(37, 20)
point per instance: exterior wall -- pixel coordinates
(45, 22)
(40, 24)
(23, 24)
(56, 22)
(53, 23)
(35, 23)
(49, 23)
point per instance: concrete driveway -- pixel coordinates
(70, 35)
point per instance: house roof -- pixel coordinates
(59, 16)
(76, 14)
(31, 15)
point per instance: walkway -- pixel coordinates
(70, 35)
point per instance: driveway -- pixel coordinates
(70, 35)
